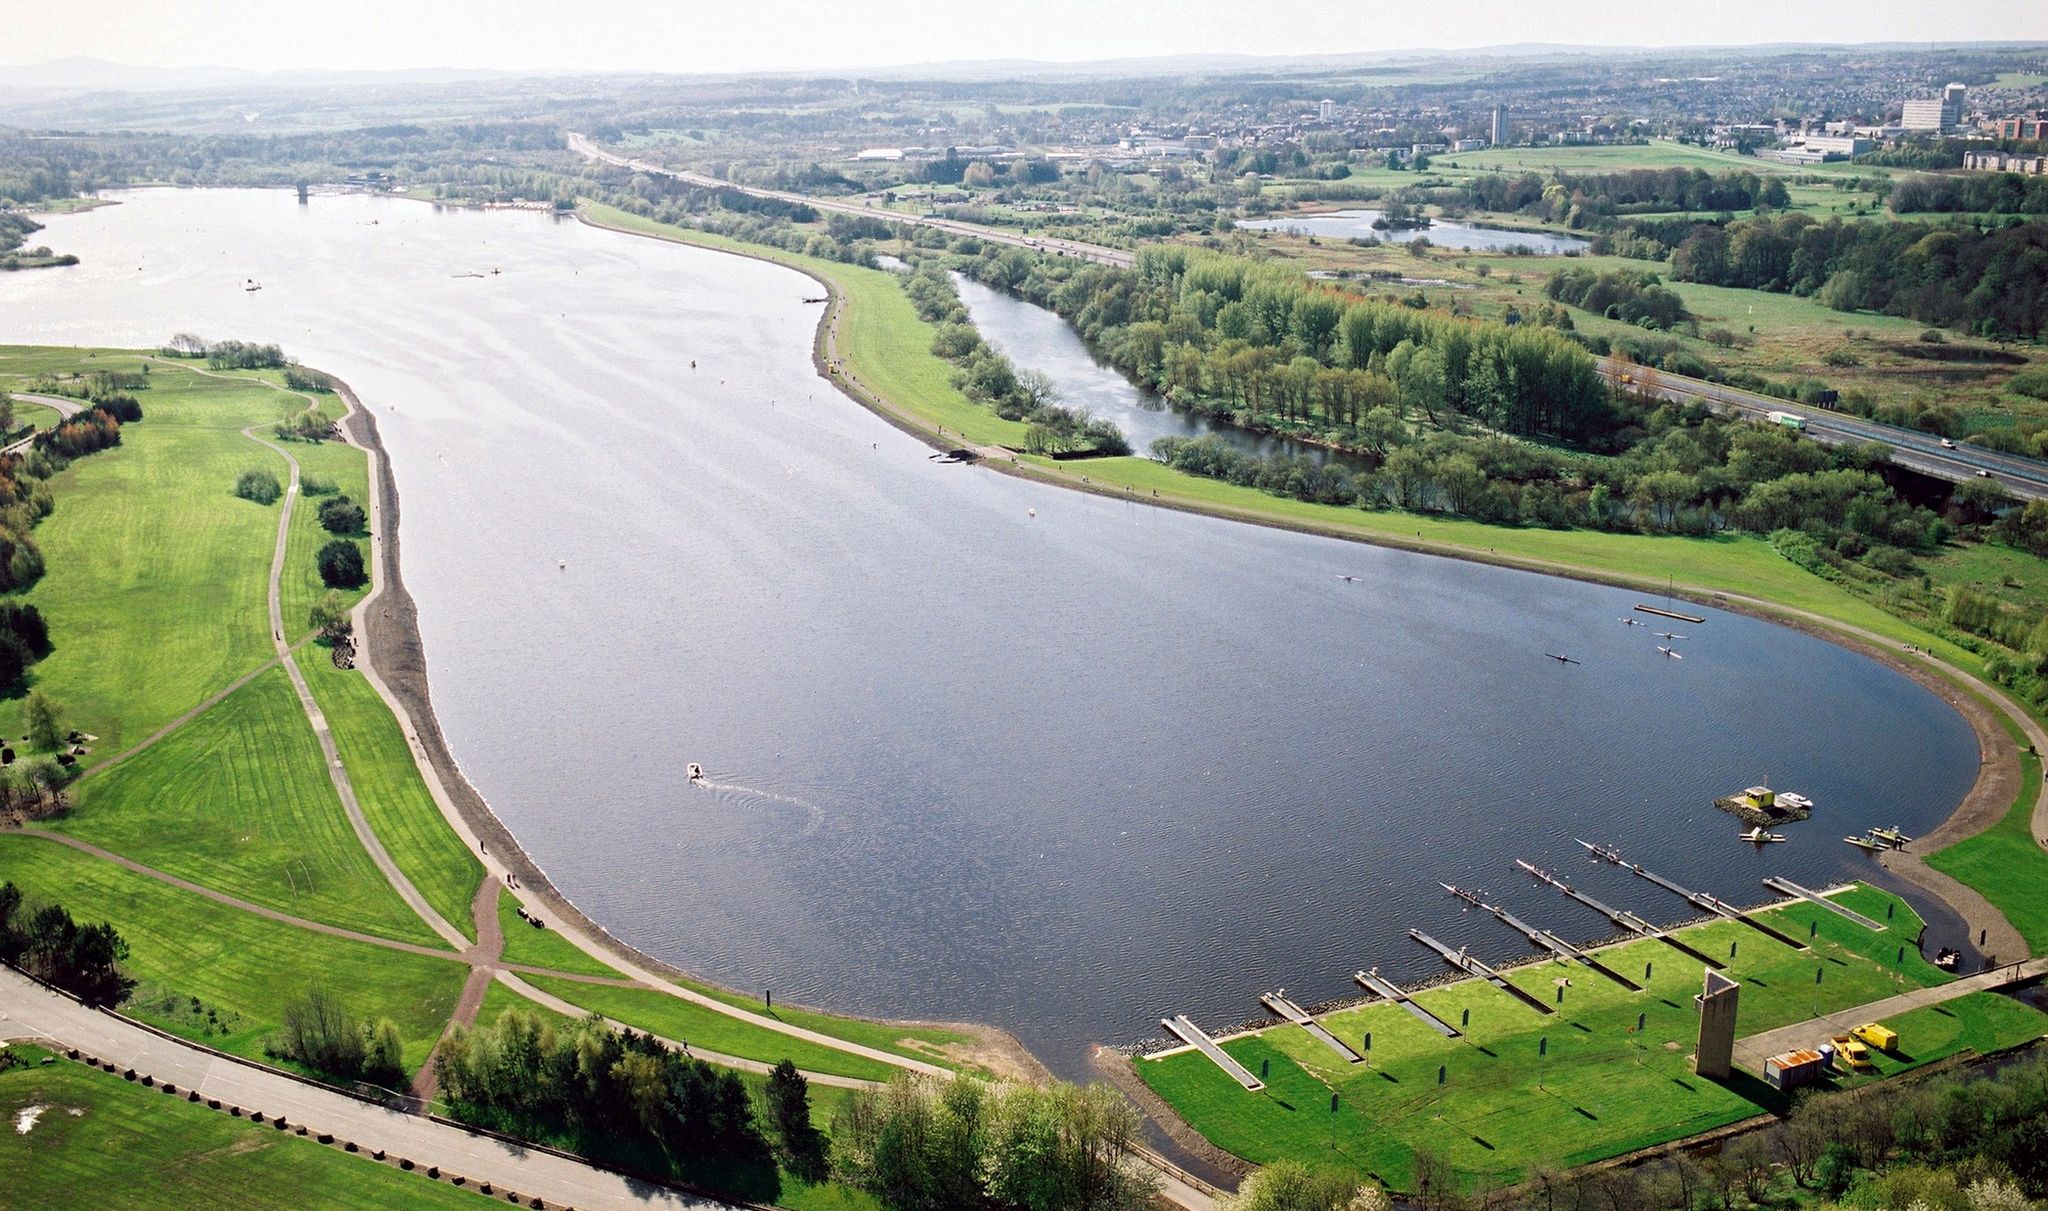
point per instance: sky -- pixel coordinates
(769, 35)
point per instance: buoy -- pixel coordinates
(1031, 512)
(562, 563)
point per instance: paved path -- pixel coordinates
(64, 408)
(30, 1012)
(181, 720)
(337, 773)
(1751, 1052)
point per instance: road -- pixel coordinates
(64, 408)
(2025, 478)
(1751, 1052)
(994, 235)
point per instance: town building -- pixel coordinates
(1327, 111)
(2033, 126)
(1500, 125)
(1941, 113)
(1998, 161)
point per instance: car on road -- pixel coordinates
(1948, 443)
(1983, 474)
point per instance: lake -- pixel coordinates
(1064, 772)
(1444, 233)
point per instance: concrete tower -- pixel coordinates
(1715, 1056)
(1500, 125)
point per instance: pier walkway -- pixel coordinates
(1713, 904)
(1187, 1032)
(1621, 916)
(1788, 887)
(1558, 946)
(1372, 981)
(1471, 966)
(1279, 1004)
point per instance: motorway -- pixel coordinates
(1073, 248)
(2025, 478)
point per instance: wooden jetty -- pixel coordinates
(1372, 981)
(1622, 917)
(1664, 613)
(1192, 1035)
(1471, 966)
(1547, 940)
(1278, 1003)
(1789, 888)
(1713, 904)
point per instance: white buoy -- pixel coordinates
(1031, 512)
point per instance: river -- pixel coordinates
(1444, 233)
(1036, 339)
(1064, 771)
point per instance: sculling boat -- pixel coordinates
(1865, 843)
(1757, 836)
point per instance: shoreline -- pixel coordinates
(1988, 800)
(392, 658)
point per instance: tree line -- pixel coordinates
(43, 940)
(1992, 282)
(1972, 193)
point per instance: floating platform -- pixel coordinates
(1789, 888)
(1287, 1009)
(1192, 1035)
(1762, 807)
(1663, 613)
(1371, 981)
(1622, 917)
(1713, 904)
(1471, 966)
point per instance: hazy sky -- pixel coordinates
(743, 35)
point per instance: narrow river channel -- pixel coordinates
(984, 749)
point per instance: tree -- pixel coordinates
(319, 1032)
(45, 720)
(259, 485)
(341, 565)
(802, 1145)
(384, 1055)
(329, 616)
(7, 418)
(1292, 1186)
(340, 515)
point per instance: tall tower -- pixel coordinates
(1952, 106)
(1714, 1058)
(1500, 125)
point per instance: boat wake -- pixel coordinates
(814, 815)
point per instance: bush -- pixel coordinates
(340, 515)
(329, 616)
(317, 485)
(123, 408)
(260, 486)
(341, 565)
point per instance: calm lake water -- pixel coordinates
(1066, 772)
(1037, 339)
(1444, 233)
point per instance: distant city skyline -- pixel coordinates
(812, 35)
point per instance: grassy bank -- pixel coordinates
(103, 1139)
(1604, 1087)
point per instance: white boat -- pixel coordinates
(1757, 836)
(1795, 802)
(695, 771)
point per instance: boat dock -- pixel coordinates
(1192, 1035)
(1663, 613)
(1549, 941)
(1471, 966)
(1789, 888)
(1712, 904)
(1371, 981)
(1622, 917)
(1280, 1005)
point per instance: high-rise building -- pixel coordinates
(1500, 125)
(1327, 110)
(1944, 112)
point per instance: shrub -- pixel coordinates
(260, 486)
(340, 515)
(123, 408)
(317, 485)
(341, 565)
(330, 617)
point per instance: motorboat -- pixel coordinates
(695, 771)
(1865, 843)
(1757, 836)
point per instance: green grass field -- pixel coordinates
(392, 792)
(239, 800)
(344, 466)
(241, 966)
(685, 1021)
(2005, 862)
(112, 1143)
(1604, 1086)
(153, 562)
(541, 947)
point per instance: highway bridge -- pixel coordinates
(1073, 248)
(2025, 478)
